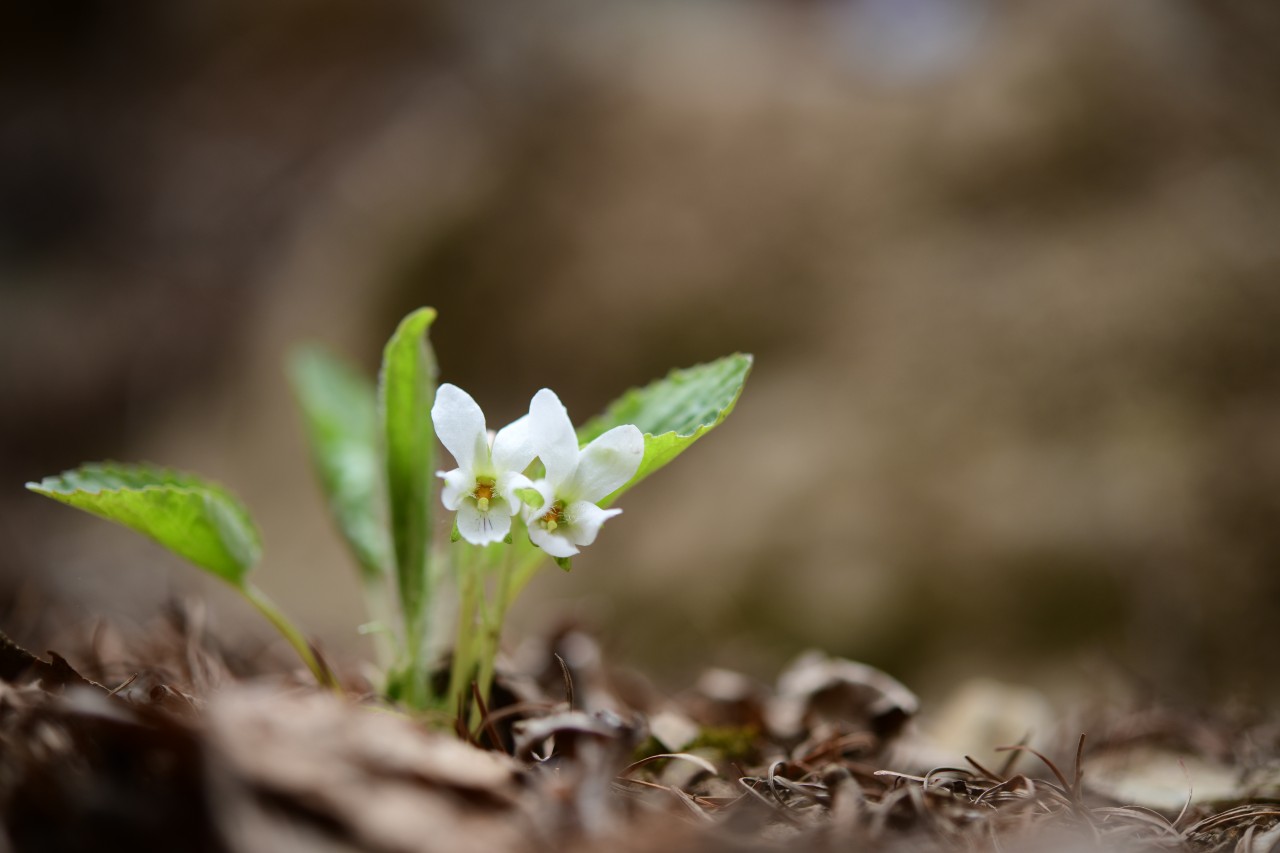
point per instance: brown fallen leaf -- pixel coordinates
(816, 688)
(309, 771)
(1163, 779)
(19, 666)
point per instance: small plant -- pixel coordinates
(536, 488)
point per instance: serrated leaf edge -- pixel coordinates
(677, 372)
(721, 413)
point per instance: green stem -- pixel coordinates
(464, 648)
(525, 570)
(492, 638)
(289, 631)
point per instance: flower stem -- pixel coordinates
(464, 649)
(492, 638)
(290, 632)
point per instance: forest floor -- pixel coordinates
(177, 744)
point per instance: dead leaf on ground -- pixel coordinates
(309, 771)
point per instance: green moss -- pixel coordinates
(732, 743)
(729, 743)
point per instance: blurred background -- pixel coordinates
(1010, 272)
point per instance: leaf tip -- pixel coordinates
(422, 318)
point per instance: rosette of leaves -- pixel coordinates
(373, 448)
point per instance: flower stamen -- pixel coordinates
(552, 518)
(483, 493)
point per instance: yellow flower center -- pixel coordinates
(483, 493)
(551, 519)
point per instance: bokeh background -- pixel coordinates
(1011, 272)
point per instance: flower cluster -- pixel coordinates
(490, 487)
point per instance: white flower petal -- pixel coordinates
(553, 437)
(513, 448)
(506, 486)
(482, 528)
(457, 485)
(499, 524)
(460, 426)
(607, 463)
(556, 544)
(583, 520)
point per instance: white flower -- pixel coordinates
(483, 487)
(576, 480)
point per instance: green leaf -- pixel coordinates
(191, 517)
(407, 387)
(340, 410)
(674, 412)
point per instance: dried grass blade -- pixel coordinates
(683, 756)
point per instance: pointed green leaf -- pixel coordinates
(340, 410)
(193, 518)
(407, 388)
(674, 412)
